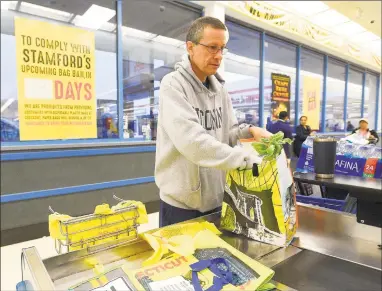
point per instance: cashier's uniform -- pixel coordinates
(197, 130)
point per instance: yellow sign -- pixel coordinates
(311, 101)
(55, 78)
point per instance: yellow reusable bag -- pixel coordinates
(261, 203)
(176, 273)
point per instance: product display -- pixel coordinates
(351, 159)
(260, 203)
(214, 264)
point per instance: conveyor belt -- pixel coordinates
(312, 271)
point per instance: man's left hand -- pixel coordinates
(258, 133)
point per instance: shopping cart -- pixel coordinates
(90, 230)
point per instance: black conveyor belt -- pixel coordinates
(312, 271)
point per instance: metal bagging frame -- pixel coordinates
(102, 223)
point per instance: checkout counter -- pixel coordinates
(331, 251)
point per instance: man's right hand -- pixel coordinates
(258, 133)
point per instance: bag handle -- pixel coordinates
(221, 277)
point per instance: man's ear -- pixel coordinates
(190, 47)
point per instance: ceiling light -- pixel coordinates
(46, 12)
(348, 28)
(375, 47)
(94, 17)
(168, 41)
(306, 8)
(5, 5)
(329, 18)
(108, 27)
(136, 33)
(365, 36)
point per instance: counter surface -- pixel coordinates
(310, 263)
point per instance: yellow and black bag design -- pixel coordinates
(260, 203)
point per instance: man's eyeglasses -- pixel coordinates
(215, 49)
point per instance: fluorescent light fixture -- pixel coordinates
(94, 17)
(46, 12)
(5, 5)
(329, 18)
(136, 33)
(306, 8)
(168, 41)
(348, 29)
(365, 36)
(7, 104)
(107, 26)
(375, 47)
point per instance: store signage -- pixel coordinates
(280, 94)
(55, 77)
(311, 100)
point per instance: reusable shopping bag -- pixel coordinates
(261, 203)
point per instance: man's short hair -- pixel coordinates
(195, 32)
(283, 115)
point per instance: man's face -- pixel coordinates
(363, 125)
(205, 62)
(303, 121)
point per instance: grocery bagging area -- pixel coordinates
(330, 252)
(191, 145)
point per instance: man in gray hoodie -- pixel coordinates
(197, 129)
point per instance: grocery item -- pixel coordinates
(351, 159)
(260, 203)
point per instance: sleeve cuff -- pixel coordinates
(244, 131)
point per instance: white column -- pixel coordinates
(217, 10)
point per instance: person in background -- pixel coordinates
(283, 125)
(198, 130)
(302, 132)
(350, 126)
(364, 132)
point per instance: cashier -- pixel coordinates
(197, 129)
(363, 132)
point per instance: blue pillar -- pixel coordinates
(377, 103)
(323, 108)
(346, 95)
(363, 94)
(119, 69)
(261, 81)
(297, 90)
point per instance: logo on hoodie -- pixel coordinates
(210, 119)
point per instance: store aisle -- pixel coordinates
(11, 255)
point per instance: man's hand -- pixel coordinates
(258, 133)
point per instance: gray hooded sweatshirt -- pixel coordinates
(196, 131)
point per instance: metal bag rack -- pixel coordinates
(101, 223)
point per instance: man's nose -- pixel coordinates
(219, 55)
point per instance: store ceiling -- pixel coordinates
(365, 13)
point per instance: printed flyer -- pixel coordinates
(176, 273)
(55, 78)
(280, 94)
